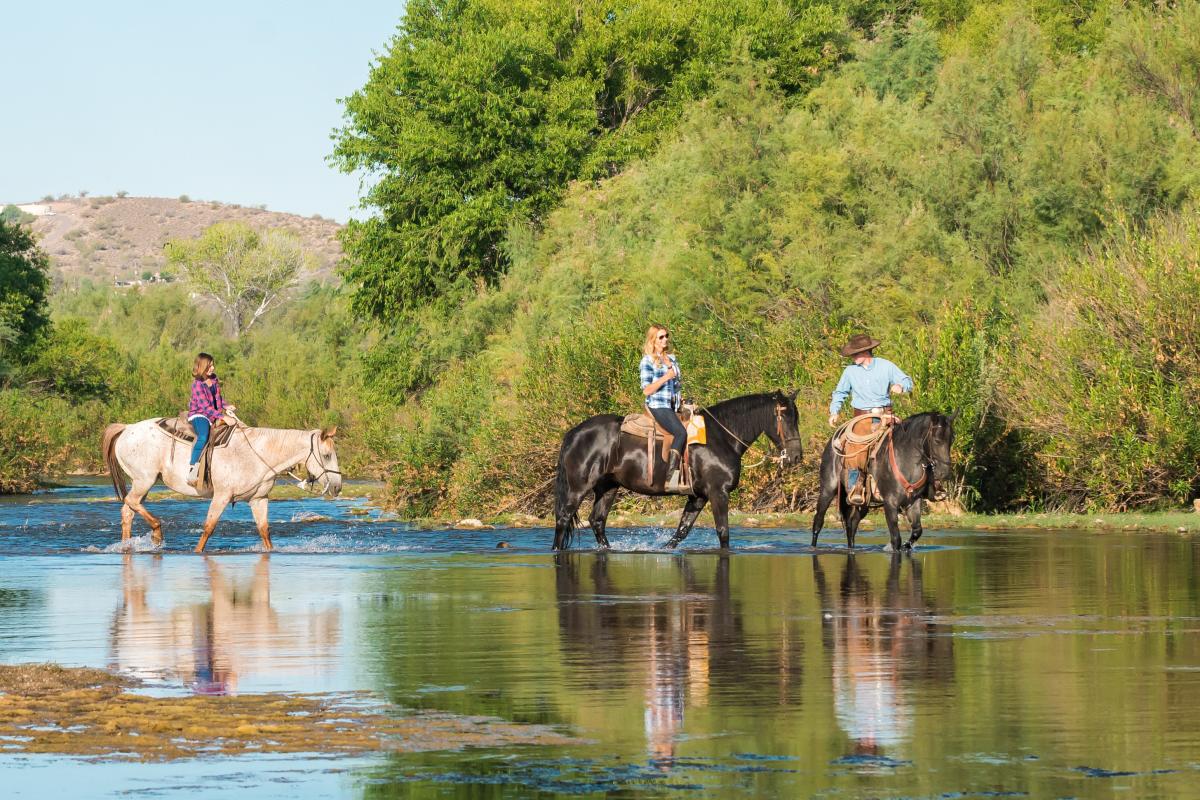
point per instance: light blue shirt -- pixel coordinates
(867, 386)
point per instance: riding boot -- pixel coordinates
(673, 471)
(858, 490)
(193, 474)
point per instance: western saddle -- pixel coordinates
(644, 426)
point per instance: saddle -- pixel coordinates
(181, 430)
(644, 426)
(857, 443)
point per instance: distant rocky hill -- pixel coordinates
(109, 239)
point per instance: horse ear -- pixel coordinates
(793, 395)
(329, 434)
(953, 415)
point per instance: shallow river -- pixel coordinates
(984, 665)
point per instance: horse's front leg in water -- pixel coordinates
(602, 502)
(258, 507)
(687, 519)
(892, 515)
(913, 513)
(215, 509)
(720, 512)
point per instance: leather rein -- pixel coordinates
(927, 464)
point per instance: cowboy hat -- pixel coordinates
(858, 343)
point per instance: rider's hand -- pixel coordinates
(897, 388)
(833, 418)
(231, 408)
(230, 419)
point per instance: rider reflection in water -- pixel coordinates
(878, 646)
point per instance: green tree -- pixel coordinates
(23, 290)
(15, 216)
(482, 111)
(243, 271)
(75, 363)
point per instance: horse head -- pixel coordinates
(938, 441)
(785, 433)
(322, 462)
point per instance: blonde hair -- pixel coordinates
(201, 366)
(648, 347)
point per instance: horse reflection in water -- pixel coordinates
(879, 648)
(211, 645)
(690, 643)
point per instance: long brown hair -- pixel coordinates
(201, 366)
(648, 347)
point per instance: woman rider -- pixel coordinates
(660, 384)
(206, 407)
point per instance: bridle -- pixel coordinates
(312, 451)
(928, 463)
(780, 409)
(303, 483)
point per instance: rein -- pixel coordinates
(288, 470)
(927, 464)
(779, 409)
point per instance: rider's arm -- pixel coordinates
(649, 385)
(840, 393)
(898, 378)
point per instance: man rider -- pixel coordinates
(868, 382)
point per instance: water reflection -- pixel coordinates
(878, 644)
(230, 635)
(684, 644)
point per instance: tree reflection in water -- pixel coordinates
(210, 646)
(877, 646)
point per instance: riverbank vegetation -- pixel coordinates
(1004, 193)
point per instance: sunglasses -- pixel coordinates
(664, 336)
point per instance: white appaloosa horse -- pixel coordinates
(244, 469)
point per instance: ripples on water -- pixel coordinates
(986, 665)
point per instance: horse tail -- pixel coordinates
(109, 448)
(564, 528)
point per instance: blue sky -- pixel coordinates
(228, 101)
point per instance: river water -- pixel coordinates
(1006, 664)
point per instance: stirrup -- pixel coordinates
(673, 484)
(857, 496)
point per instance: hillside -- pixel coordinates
(104, 239)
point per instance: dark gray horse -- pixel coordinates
(910, 467)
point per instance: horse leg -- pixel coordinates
(215, 509)
(720, 512)
(602, 500)
(691, 511)
(258, 507)
(564, 521)
(851, 516)
(823, 500)
(892, 515)
(913, 513)
(133, 503)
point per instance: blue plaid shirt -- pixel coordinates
(667, 395)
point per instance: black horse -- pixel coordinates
(909, 468)
(597, 457)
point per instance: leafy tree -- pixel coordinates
(15, 216)
(75, 363)
(243, 271)
(23, 290)
(482, 111)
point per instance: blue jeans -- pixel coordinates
(667, 418)
(202, 426)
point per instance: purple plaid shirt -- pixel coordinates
(206, 401)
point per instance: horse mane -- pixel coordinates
(743, 413)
